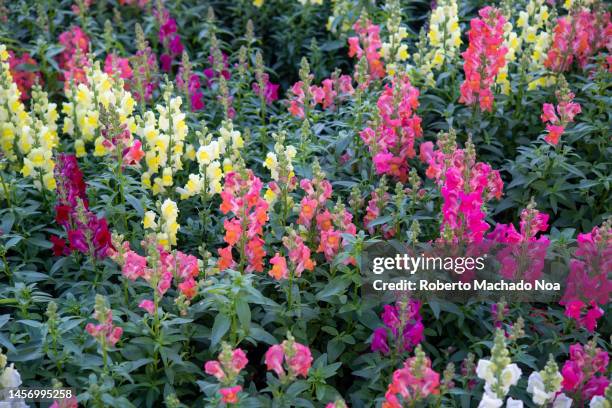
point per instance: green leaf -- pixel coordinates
(134, 202)
(244, 313)
(220, 327)
(334, 287)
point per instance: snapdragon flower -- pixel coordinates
(159, 268)
(499, 373)
(164, 141)
(73, 59)
(391, 142)
(244, 230)
(512, 43)
(412, 383)
(584, 374)
(403, 328)
(522, 254)
(558, 117)
(367, 44)
(484, 58)
(577, 38)
(465, 186)
(545, 385)
(38, 162)
(588, 284)
(16, 126)
(87, 233)
(392, 50)
(214, 158)
(10, 378)
(24, 78)
(296, 356)
(82, 120)
(439, 46)
(105, 331)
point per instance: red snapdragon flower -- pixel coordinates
(24, 77)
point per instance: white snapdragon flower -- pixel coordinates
(10, 377)
(512, 403)
(562, 401)
(484, 370)
(510, 376)
(490, 401)
(599, 401)
(535, 386)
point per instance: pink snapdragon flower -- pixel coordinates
(332, 91)
(367, 43)
(328, 225)
(73, 59)
(557, 118)
(148, 306)
(160, 268)
(210, 72)
(192, 88)
(105, 332)
(226, 369)
(465, 185)
(484, 58)
(584, 374)
(578, 37)
(414, 382)
(373, 211)
(118, 65)
(269, 91)
(229, 364)
(241, 196)
(299, 254)
(588, 284)
(296, 356)
(391, 143)
(521, 254)
(230, 395)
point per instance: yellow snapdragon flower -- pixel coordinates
(168, 224)
(148, 221)
(392, 50)
(15, 122)
(280, 162)
(513, 44)
(164, 143)
(165, 225)
(41, 141)
(444, 33)
(210, 156)
(82, 120)
(533, 23)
